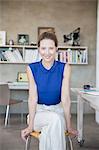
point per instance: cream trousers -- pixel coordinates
(51, 122)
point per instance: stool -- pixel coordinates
(35, 134)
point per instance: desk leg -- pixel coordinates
(80, 118)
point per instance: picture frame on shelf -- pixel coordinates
(45, 29)
(2, 38)
(23, 39)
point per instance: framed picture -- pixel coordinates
(23, 39)
(2, 38)
(45, 29)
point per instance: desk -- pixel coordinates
(18, 85)
(93, 101)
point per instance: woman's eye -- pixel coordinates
(51, 48)
(43, 48)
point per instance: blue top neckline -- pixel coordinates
(45, 69)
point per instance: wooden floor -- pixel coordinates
(10, 137)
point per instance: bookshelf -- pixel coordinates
(17, 54)
(24, 54)
(73, 54)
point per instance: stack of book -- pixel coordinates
(14, 55)
(32, 55)
(11, 55)
(72, 56)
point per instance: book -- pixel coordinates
(2, 38)
(84, 56)
(2, 57)
(17, 55)
(69, 55)
(32, 55)
(9, 56)
(91, 91)
(56, 56)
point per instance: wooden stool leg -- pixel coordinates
(66, 143)
(69, 144)
(28, 141)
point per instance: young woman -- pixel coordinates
(49, 96)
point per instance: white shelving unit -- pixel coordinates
(73, 55)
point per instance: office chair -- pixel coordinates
(35, 134)
(6, 101)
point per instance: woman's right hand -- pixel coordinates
(25, 132)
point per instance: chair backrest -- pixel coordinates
(4, 94)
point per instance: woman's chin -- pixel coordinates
(48, 59)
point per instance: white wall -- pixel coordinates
(26, 16)
(97, 58)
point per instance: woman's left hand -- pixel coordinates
(73, 132)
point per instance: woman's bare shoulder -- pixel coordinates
(67, 70)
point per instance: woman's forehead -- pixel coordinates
(47, 42)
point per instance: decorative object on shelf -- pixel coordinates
(73, 38)
(87, 87)
(23, 39)
(22, 77)
(45, 29)
(2, 38)
(33, 44)
(11, 42)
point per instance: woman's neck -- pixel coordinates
(47, 65)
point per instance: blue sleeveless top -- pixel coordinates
(49, 82)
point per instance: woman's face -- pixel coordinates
(47, 50)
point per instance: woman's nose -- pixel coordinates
(47, 51)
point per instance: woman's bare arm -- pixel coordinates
(32, 103)
(65, 95)
(32, 100)
(65, 98)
